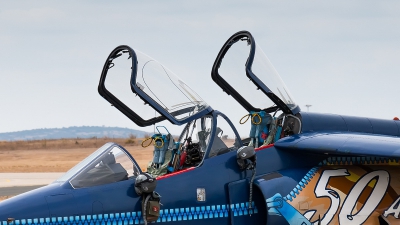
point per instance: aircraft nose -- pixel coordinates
(24, 207)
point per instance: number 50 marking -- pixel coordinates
(346, 215)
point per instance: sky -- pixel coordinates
(340, 57)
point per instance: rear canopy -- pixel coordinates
(243, 71)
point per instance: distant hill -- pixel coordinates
(71, 132)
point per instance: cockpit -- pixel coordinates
(202, 138)
(148, 93)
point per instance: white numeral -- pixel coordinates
(322, 191)
(346, 215)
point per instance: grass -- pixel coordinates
(62, 154)
(66, 143)
(59, 155)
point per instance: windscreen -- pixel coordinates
(167, 89)
(112, 166)
(83, 163)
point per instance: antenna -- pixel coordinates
(308, 107)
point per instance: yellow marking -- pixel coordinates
(393, 163)
(354, 178)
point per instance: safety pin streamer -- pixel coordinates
(155, 142)
(151, 140)
(247, 116)
(259, 119)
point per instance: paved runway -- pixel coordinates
(12, 191)
(17, 183)
(27, 179)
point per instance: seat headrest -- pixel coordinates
(109, 159)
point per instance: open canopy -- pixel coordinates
(243, 71)
(146, 91)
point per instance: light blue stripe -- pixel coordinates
(125, 218)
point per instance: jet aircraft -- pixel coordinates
(296, 167)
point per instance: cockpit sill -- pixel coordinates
(113, 163)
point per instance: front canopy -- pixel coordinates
(146, 91)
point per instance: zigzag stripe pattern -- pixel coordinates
(357, 160)
(242, 209)
(129, 218)
(337, 161)
(302, 184)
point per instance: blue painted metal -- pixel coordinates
(166, 215)
(283, 171)
(313, 122)
(118, 203)
(177, 191)
(342, 143)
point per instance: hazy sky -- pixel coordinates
(339, 56)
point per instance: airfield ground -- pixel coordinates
(44, 156)
(60, 155)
